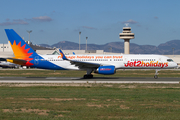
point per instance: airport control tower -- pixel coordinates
(126, 35)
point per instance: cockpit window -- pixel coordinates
(169, 60)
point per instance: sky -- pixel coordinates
(51, 21)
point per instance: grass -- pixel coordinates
(89, 101)
(66, 73)
(96, 101)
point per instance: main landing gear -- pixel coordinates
(88, 75)
(156, 74)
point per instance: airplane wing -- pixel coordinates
(2, 59)
(80, 64)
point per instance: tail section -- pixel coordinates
(21, 49)
(25, 55)
(62, 55)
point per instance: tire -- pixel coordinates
(88, 76)
(155, 77)
(85, 76)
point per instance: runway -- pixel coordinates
(93, 80)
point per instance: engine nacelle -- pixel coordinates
(106, 70)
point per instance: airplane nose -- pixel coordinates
(175, 65)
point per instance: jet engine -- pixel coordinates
(106, 70)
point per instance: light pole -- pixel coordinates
(86, 42)
(173, 51)
(110, 49)
(29, 31)
(79, 39)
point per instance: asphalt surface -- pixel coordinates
(93, 80)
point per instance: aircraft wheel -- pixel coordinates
(88, 76)
(155, 77)
(85, 77)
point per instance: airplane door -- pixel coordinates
(125, 60)
(36, 60)
(160, 60)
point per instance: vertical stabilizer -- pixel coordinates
(20, 48)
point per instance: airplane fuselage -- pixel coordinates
(120, 61)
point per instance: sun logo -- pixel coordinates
(62, 55)
(21, 52)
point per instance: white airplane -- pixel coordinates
(101, 64)
(5, 64)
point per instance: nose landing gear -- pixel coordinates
(156, 74)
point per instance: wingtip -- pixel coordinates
(62, 55)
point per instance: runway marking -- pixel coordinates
(157, 82)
